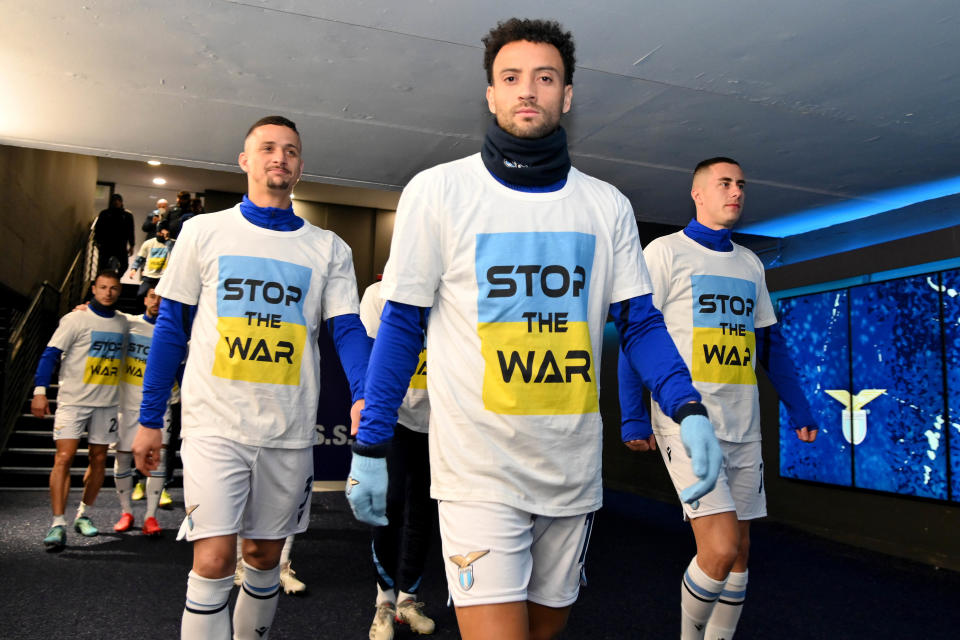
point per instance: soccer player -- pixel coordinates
(714, 299)
(250, 287)
(400, 547)
(92, 348)
(519, 258)
(152, 258)
(139, 337)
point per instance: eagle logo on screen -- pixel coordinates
(854, 417)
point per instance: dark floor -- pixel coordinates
(120, 586)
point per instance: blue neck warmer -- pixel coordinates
(99, 309)
(150, 319)
(270, 217)
(715, 239)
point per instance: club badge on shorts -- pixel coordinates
(466, 566)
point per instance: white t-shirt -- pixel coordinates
(253, 370)
(92, 358)
(414, 413)
(139, 337)
(712, 301)
(520, 285)
(155, 254)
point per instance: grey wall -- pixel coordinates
(901, 526)
(48, 205)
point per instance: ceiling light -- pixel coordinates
(154, 163)
(159, 181)
(292, 197)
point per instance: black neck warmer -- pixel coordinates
(528, 162)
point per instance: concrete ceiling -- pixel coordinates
(822, 101)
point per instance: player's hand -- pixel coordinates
(367, 489)
(701, 445)
(355, 416)
(807, 434)
(648, 444)
(40, 406)
(146, 448)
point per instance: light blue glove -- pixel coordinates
(700, 443)
(367, 489)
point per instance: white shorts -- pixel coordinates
(130, 422)
(739, 486)
(259, 492)
(100, 423)
(495, 553)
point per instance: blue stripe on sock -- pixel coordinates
(201, 606)
(734, 594)
(706, 593)
(264, 590)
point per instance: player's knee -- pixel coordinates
(262, 554)
(63, 459)
(215, 566)
(97, 459)
(718, 558)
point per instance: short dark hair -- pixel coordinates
(709, 162)
(277, 120)
(106, 273)
(545, 31)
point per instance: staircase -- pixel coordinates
(28, 457)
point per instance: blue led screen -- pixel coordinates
(875, 361)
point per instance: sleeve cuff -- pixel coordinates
(39, 391)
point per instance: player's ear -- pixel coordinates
(567, 97)
(242, 160)
(491, 103)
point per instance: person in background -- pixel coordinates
(91, 346)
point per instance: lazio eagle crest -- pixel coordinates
(466, 566)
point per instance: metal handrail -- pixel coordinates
(27, 339)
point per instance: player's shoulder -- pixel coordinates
(666, 243)
(597, 189)
(441, 176)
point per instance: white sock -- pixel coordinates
(726, 613)
(59, 520)
(81, 510)
(287, 548)
(206, 615)
(123, 479)
(386, 596)
(403, 595)
(256, 603)
(698, 595)
(154, 487)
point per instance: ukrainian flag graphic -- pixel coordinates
(157, 259)
(724, 342)
(260, 319)
(103, 358)
(419, 378)
(533, 302)
(138, 347)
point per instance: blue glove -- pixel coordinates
(701, 445)
(367, 489)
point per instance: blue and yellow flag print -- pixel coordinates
(138, 348)
(724, 342)
(103, 358)
(260, 320)
(533, 305)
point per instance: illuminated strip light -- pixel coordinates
(822, 217)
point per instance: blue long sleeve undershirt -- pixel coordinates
(773, 356)
(353, 347)
(653, 356)
(48, 361)
(171, 333)
(393, 360)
